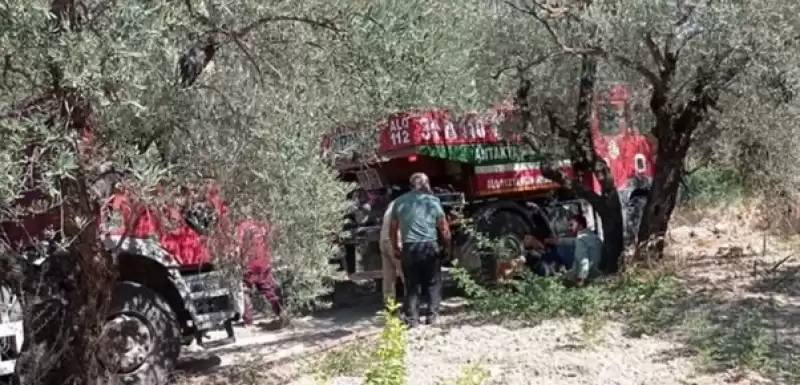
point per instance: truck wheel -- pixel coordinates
(141, 335)
(506, 228)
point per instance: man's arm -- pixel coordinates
(445, 238)
(394, 235)
(394, 230)
(563, 241)
(532, 242)
(443, 228)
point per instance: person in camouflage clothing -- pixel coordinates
(252, 236)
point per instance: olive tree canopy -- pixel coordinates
(702, 70)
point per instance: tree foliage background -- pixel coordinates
(714, 82)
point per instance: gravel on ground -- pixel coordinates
(552, 352)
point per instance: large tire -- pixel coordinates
(142, 335)
(505, 226)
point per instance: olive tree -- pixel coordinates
(701, 67)
(171, 92)
(398, 55)
(410, 54)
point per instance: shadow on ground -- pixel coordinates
(742, 320)
(269, 355)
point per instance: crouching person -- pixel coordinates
(579, 254)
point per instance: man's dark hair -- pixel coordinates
(580, 219)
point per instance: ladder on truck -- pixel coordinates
(10, 331)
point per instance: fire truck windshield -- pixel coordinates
(609, 116)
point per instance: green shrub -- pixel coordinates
(383, 363)
(470, 375)
(537, 298)
(390, 365)
(712, 184)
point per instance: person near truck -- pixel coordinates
(424, 233)
(252, 238)
(580, 253)
(392, 270)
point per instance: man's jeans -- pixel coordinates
(554, 259)
(422, 270)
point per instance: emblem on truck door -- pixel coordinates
(613, 149)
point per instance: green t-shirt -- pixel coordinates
(417, 213)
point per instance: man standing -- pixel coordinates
(419, 217)
(580, 253)
(391, 265)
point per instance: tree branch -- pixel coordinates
(655, 52)
(550, 171)
(553, 13)
(249, 57)
(324, 24)
(520, 68)
(237, 36)
(634, 65)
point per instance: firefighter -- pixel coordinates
(419, 217)
(252, 238)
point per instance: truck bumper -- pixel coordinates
(216, 303)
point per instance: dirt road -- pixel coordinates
(306, 336)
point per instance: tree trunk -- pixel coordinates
(673, 146)
(95, 278)
(673, 132)
(585, 164)
(610, 212)
(609, 208)
(67, 298)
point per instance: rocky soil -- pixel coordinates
(550, 353)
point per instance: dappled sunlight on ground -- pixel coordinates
(742, 278)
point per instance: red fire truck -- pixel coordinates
(168, 291)
(482, 178)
